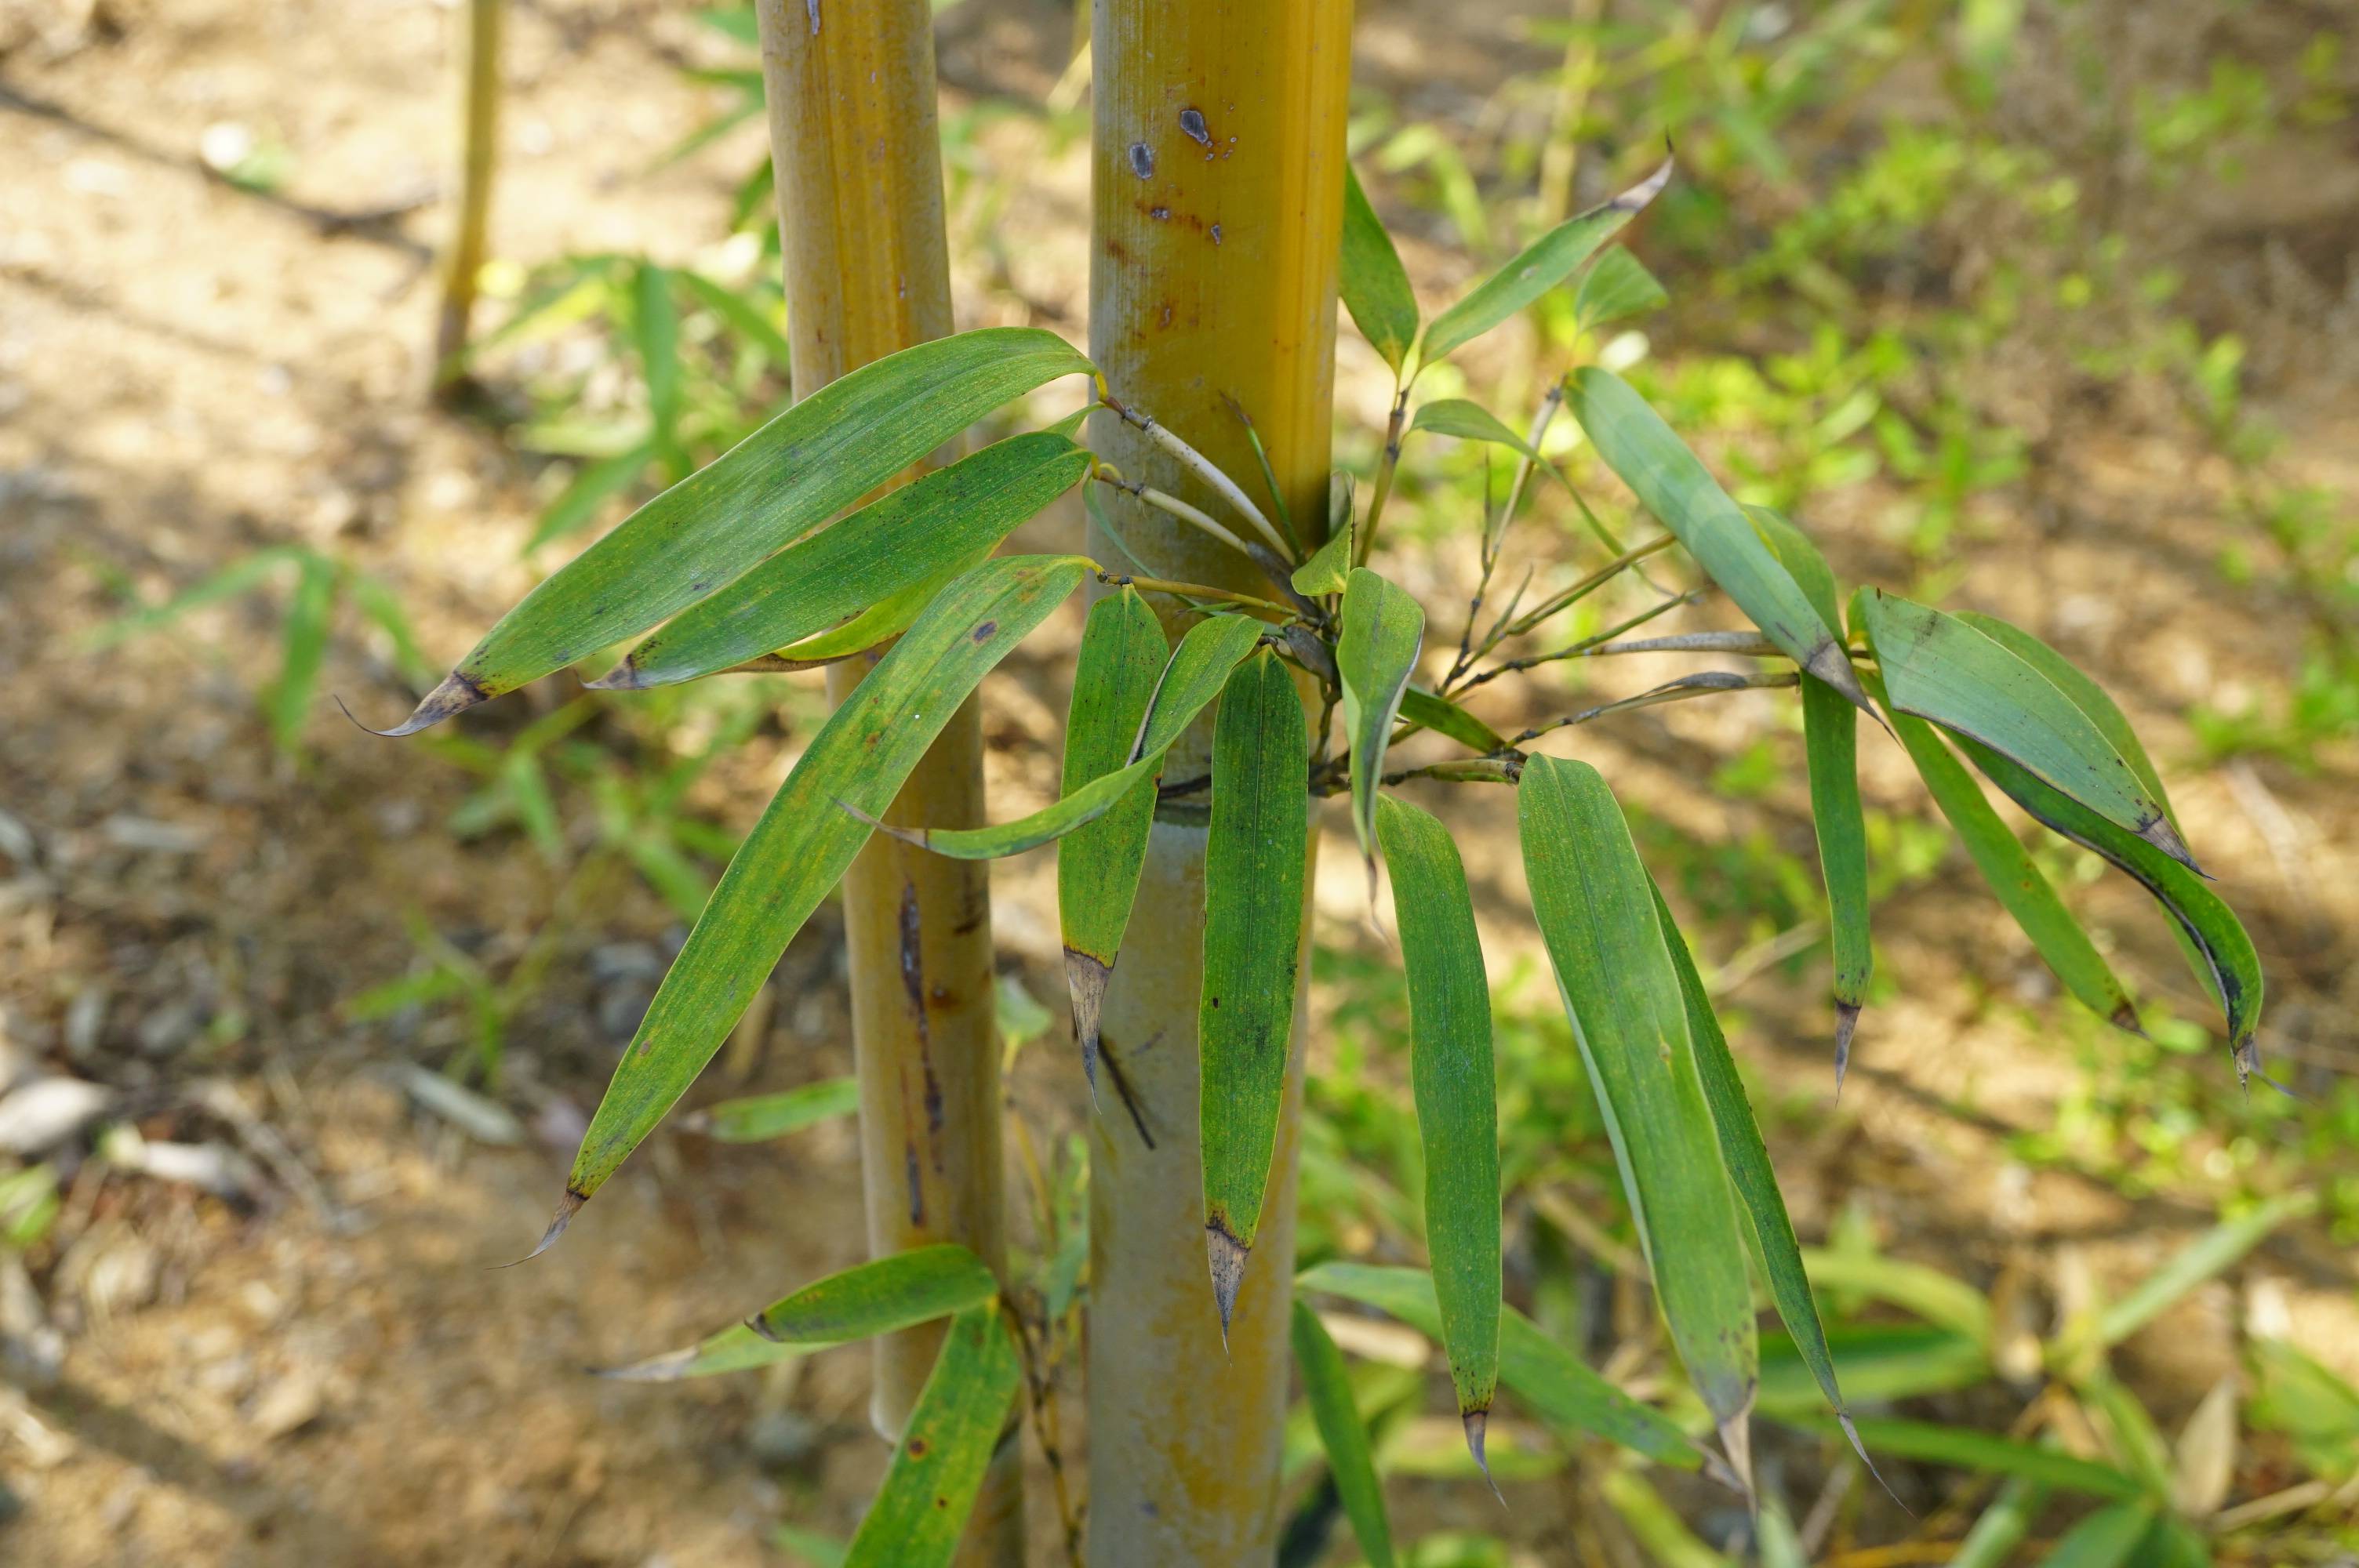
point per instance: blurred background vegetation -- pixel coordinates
(2048, 308)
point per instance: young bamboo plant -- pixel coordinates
(734, 568)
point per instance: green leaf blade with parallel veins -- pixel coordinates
(1456, 1092)
(1470, 421)
(1372, 280)
(1444, 717)
(1672, 483)
(805, 841)
(1938, 667)
(756, 1119)
(1255, 860)
(1121, 662)
(1619, 284)
(1595, 907)
(1545, 263)
(1384, 630)
(885, 1296)
(938, 1467)
(1343, 1434)
(908, 540)
(786, 478)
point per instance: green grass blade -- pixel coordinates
(1939, 668)
(785, 479)
(748, 319)
(938, 1468)
(1879, 1362)
(803, 843)
(1671, 482)
(1618, 286)
(905, 540)
(1452, 1076)
(1470, 421)
(1254, 863)
(2232, 966)
(1121, 662)
(757, 1119)
(2019, 884)
(1966, 1449)
(227, 583)
(1991, 1542)
(576, 505)
(303, 643)
(1545, 263)
(1595, 908)
(1746, 1158)
(1383, 631)
(1373, 284)
(2207, 1255)
(1940, 1298)
(2106, 1538)
(1343, 1435)
(880, 1297)
(1558, 1385)
(1444, 717)
(654, 329)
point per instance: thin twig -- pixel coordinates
(1366, 542)
(1577, 649)
(1194, 590)
(1709, 684)
(1106, 473)
(1752, 644)
(1588, 585)
(1199, 465)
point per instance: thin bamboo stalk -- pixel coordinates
(462, 261)
(852, 138)
(1217, 202)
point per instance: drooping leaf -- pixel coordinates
(1253, 863)
(1617, 286)
(880, 1297)
(1545, 263)
(1384, 629)
(2231, 964)
(1595, 908)
(1939, 668)
(1990, 1453)
(1470, 421)
(1343, 1435)
(2017, 884)
(780, 482)
(757, 1119)
(1121, 662)
(1558, 1385)
(1746, 1158)
(803, 843)
(1452, 1076)
(1444, 717)
(2106, 1538)
(1671, 482)
(1324, 572)
(903, 541)
(938, 1467)
(1373, 284)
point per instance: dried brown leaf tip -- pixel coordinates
(2158, 831)
(1846, 1020)
(1085, 980)
(567, 1207)
(1227, 1256)
(1736, 1437)
(1478, 1427)
(457, 693)
(669, 1367)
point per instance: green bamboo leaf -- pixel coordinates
(2106, 1538)
(2019, 884)
(576, 505)
(2231, 965)
(1325, 571)
(1595, 908)
(1940, 1298)
(655, 328)
(1880, 1362)
(1619, 284)
(1990, 1453)
(1187, 687)
(1254, 863)
(757, 1119)
(1343, 1434)
(785, 479)
(1443, 716)
(1121, 663)
(2204, 1258)
(884, 1296)
(1383, 631)
(303, 645)
(1456, 1092)
(1672, 483)
(938, 1467)
(1545, 263)
(902, 547)
(1373, 284)
(1746, 1158)
(1470, 421)
(748, 319)
(1939, 668)
(803, 844)
(1991, 1542)
(1559, 1387)
(227, 583)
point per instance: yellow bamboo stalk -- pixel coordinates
(1217, 202)
(853, 139)
(462, 261)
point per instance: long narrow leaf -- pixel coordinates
(2207, 1255)
(780, 482)
(1617, 286)
(1967, 1449)
(1991, 1542)
(1595, 907)
(1383, 631)
(757, 1119)
(1373, 284)
(803, 844)
(1443, 716)
(904, 540)
(654, 326)
(2106, 1538)
(1343, 1435)
(1253, 863)
(1452, 1074)
(938, 1467)
(1470, 421)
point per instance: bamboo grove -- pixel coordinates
(1235, 700)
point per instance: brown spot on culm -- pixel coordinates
(1141, 160)
(910, 1174)
(1228, 1257)
(1191, 126)
(913, 963)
